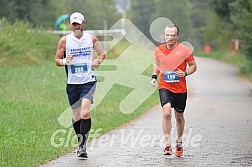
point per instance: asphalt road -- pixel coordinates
(217, 133)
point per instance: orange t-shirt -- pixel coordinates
(171, 60)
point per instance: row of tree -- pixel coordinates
(231, 20)
(202, 22)
(45, 12)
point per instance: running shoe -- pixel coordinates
(168, 150)
(179, 149)
(81, 152)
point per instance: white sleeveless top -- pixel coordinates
(80, 71)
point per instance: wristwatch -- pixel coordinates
(185, 73)
(154, 76)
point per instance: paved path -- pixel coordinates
(218, 127)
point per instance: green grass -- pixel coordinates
(237, 59)
(30, 103)
(32, 96)
(31, 100)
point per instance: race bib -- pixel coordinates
(170, 76)
(79, 69)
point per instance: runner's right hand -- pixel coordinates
(69, 58)
(153, 82)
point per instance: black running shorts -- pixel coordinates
(77, 92)
(177, 100)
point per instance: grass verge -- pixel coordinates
(237, 59)
(31, 99)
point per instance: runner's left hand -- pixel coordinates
(96, 63)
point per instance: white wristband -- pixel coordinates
(64, 61)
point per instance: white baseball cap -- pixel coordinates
(77, 17)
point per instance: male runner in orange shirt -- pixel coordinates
(171, 61)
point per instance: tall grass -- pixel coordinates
(19, 44)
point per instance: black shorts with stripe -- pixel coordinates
(177, 100)
(76, 92)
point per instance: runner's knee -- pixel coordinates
(167, 114)
(179, 117)
(167, 110)
(85, 114)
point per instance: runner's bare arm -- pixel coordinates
(192, 67)
(60, 51)
(155, 72)
(156, 68)
(99, 50)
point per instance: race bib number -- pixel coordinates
(79, 69)
(170, 76)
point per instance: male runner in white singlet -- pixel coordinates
(75, 52)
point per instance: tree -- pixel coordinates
(200, 16)
(179, 12)
(222, 8)
(5, 8)
(141, 15)
(95, 11)
(241, 15)
(29, 10)
(45, 12)
(219, 30)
